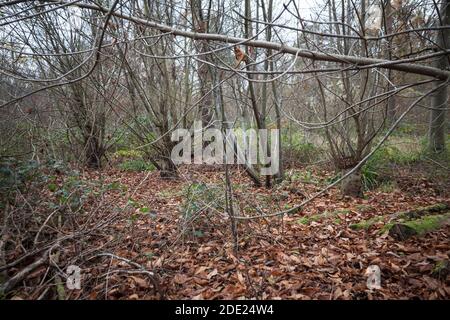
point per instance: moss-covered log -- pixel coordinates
(423, 211)
(366, 224)
(405, 224)
(407, 229)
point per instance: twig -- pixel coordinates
(22, 274)
(153, 277)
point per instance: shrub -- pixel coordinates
(128, 154)
(380, 161)
(201, 200)
(297, 149)
(15, 174)
(136, 165)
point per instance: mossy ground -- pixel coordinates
(366, 224)
(323, 216)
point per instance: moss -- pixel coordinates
(364, 208)
(423, 211)
(387, 227)
(440, 265)
(303, 220)
(418, 226)
(427, 223)
(441, 269)
(366, 224)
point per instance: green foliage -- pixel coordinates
(369, 177)
(73, 193)
(144, 210)
(52, 187)
(136, 165)
(295, 146)
(381, 160)
(129, 154)
(388, 186)
(16, 175)
(115, 186)
(201, 200)
(406, 129)
(198, 196)
(133, 161)
(69, 191)
(127, 138)
(305, 176)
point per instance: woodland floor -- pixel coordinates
(277, 257)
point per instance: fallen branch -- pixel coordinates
(22, 274)
(308, 54)
(151, 275)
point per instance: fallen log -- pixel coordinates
(423, 211)
(407, 229)
(405, 224)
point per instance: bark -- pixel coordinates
(439, 100)
(352, 185)
(200, 24)
(389, 23)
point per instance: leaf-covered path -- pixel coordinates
(313, 254)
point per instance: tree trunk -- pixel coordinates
(439, 100)
(93, 152)
(352, 185)
(389, 23)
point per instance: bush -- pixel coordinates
(295, 148)
(128, 154)
(136, 165)
(200, 202)
(372, 171)
(15, 174)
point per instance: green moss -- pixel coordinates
(421, 226)
(424, 211)
(441, 269)
(440, 265)
(364, 208)
(427, 223)
(386, 227)
(303, 220)
(366, 224)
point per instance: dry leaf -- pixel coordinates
(212, 274)
(140, 282)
